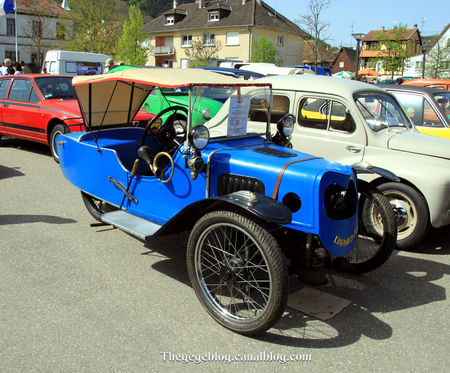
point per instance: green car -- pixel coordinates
(161, 98)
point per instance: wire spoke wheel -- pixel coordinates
(377, 232)
(237, 271)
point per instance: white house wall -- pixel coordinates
(23, 27)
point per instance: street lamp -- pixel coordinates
(424, 47)
(358, 38)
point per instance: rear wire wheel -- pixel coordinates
(237, 271)
(377, 232)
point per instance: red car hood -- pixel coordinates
(68, 107)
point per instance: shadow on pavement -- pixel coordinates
(403, 282)
(6, 172)
(24, 219)
(437, 241)
(29, 146)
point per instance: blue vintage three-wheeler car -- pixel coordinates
(251, 205)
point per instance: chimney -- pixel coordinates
(174, 4)
(382, 28)
(415, 25)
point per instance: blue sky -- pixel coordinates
(345, 16)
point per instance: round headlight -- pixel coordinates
(286, 125)
(206, 114)
(199, 137)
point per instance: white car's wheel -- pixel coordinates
(411, 211)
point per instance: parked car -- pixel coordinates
(428, 108)
(436, 83)
(39, 107)
(235, 73)
(206, 105)
(248, 203)
(350, 122)
(321, 70)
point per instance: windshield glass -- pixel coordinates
(56, 87)
(227, 111)
(443, 100)
(381, 111)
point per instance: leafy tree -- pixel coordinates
(314, 25)
(437, 60)
(396, 49)
(263, 50)
(201, 53)
(130, 47)
(96, 25)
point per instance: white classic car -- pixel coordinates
(350, 122)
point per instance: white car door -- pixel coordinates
(326, 127)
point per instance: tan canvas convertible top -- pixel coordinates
(114, 99)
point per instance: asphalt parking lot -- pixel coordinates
(74, 298)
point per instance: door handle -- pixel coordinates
(353, 149)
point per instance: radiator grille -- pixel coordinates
(229, 183)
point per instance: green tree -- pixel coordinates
(130, 47)
(263, 50)
(396, 49)
(437, 60)
(96, 25)
(202, 53)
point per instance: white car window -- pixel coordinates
(325, 114)
(381, 111)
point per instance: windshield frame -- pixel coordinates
(383, 98)
(192, 99)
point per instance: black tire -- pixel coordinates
(96, 207)
(377, 232)
(59, 129)
(411, 211)
(230, 255)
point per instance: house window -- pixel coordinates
(280, 40)
(168, 63)
(170, 20)
(187, 41)
(11, 27)
(232, 38)
(418, 66)
(213, 16)
(208, 39)
(341, 64)
(37, 28)
(60, 31)
(11, 55)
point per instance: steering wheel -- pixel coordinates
(163, 136)
(166, 135)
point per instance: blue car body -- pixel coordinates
(255, 157)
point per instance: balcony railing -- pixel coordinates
(163, 51)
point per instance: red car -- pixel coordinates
(39, 107)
